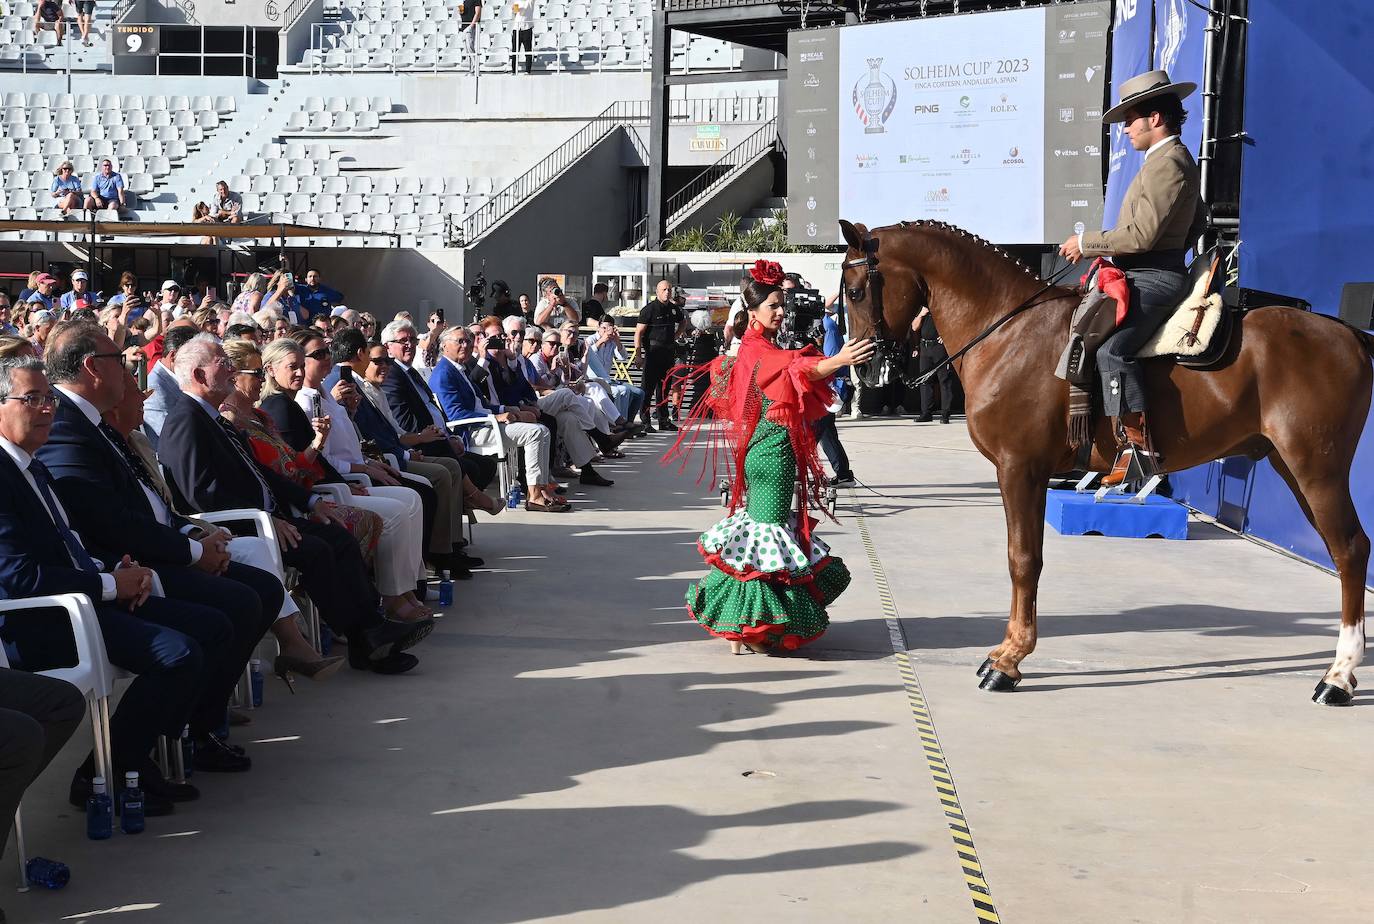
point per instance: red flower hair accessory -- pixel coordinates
(766, 272)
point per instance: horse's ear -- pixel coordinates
(853, 235)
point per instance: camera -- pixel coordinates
(496, 342)
(803, 318)
(477, 292)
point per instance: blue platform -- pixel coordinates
(1074, 514)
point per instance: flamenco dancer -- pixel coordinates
(770, 579)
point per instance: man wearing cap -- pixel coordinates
(1160, 219)
(41, 297)
(81, 295)
(171, 294)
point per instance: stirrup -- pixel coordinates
(1136, 471)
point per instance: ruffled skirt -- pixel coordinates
(764, 587)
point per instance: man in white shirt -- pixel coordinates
(522, 38)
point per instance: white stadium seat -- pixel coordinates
(312, 184)
(335, 185)
(159, 166)
(298, 122)
(358, 184)
(379, 204)
(300, 202)
(262, 184)
(226, 105)
(325, 205)
(287, 185)
(240, 184)
(350, 204)
(402, 205)
(408, 185)
(358, 104)
(141, 184)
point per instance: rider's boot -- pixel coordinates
(1130, 434)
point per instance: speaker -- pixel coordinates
(1357, 304)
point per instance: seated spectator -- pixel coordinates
(66, 188)
(603, 351)
(368, 325)
(245, 332)
(81, 295)
(40, 325)
(107, 189)
(316, 297)
(555, 309)
(112, 503)
(212, 469)
(250, 297)
(25, 292)
(444, 529)
(594, 308)
(294, 406)
(14, 346)
(162, 379)
(460, 401)
(156, 639)
(284, 361)
(5, 326)
(378, 368)
(47, 14)
(128, 288)
(43, 294)
(227, 207)
(573, 350)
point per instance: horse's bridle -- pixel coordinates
(889, 349)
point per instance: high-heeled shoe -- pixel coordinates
(481, 500)
(285, 665)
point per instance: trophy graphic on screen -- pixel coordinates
(874, 100)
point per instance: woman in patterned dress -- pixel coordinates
(770, 579)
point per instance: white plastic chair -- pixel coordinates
(486, 438)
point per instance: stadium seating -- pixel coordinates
(145, 138)
(406, 35)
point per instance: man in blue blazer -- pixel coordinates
(116, 508)
(211, 468)
(159, 640)
(415, 408)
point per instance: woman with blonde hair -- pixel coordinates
(66, 188)
(399, 548)
(254, 289)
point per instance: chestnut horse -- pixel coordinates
(1293, 387)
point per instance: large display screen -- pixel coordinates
(989, 121)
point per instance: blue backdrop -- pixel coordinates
(1132, 40)
(1307, 220)
(1180, 45)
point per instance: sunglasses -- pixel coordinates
(402, 340)
(321, 353)
(255, 373)
(381, 360)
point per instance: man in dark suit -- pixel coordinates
(116, 509)
(211, 468)
(157, 639)
(415, 408)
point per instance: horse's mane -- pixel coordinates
(955, 230)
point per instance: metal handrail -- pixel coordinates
(616, 115)
(707, 181)
(294, 9)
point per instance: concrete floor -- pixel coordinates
(574, 748)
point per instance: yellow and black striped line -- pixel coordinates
(979, 890)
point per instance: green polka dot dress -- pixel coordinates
(764, 587)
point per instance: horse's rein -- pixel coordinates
(870, 263)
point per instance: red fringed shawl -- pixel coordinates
(735, 399)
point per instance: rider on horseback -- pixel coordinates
(1161, 217)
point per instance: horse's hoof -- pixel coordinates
(983, 668)
(994, 681)
(1354, 685)
(1328, 695)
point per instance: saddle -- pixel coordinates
(1195, 335)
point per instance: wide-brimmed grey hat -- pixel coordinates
(1146, 87)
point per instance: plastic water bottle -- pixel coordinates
(50, 874)
(131, 805)
(99, 812)
(255, 679)
(513, 497)
(188, 752)
(445, 589)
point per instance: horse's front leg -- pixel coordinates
(1023, 498)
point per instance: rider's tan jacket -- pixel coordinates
(1162, 209)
